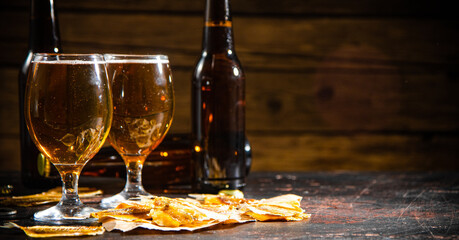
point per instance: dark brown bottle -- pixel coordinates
(36, 170)
(218, 106)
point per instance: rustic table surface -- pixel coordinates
(343, 205)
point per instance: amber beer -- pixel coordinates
(66, 112)
(142, 115)
(143, 106)
(218, 106)
(36, 170)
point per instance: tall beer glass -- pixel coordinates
(68, 111)
(143, 106)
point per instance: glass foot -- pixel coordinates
(113, 201)
(66, 214)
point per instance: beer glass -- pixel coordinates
(143, 106)
(68, 111)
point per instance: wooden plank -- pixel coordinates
(325, 101)
(320, 101)
(9, 102)
(267, 43)
(263, 43)
(9, 154)
(328, 8)
(182, 84)
(354, 152)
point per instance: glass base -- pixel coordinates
(66, 214)
(113, 201)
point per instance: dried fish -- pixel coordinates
(61, 231)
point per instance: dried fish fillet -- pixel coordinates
(285, 207)
(52, 195)
(61, 231)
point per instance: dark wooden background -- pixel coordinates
(331, 84)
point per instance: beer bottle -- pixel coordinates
(218, 106)
(36, 170)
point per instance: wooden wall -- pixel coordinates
(331, 84)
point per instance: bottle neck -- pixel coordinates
(44, 27)
(218, 29)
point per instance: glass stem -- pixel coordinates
(134, 177)
(70, 189)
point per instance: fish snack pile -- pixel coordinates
(176, 214)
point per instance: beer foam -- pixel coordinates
(69, 62)
(165, 61)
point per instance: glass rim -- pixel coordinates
(58, 57)
(150, 58)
